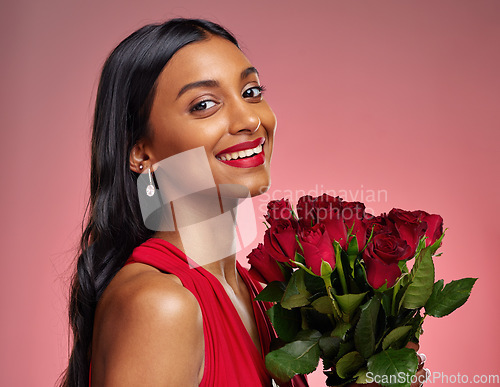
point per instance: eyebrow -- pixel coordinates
(213, 83)
(251, 70)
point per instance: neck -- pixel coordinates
(207, 235)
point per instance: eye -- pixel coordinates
(254, 92)
(203, 105)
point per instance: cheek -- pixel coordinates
(268, 119)
(269, 122)
(178, 136)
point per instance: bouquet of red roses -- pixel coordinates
(343, 289)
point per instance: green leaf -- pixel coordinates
(349, 364)
(403, 266)
(453, 296)
(388, 366)
(436, 290)
(433, 248)
(345, 347)
(326, 269)
(323, 305)
(273, 292)
(364, 335)
(341, 329)
(296, 293)
(329, 346)
(416, 324)
(361, 376)
(298, 256)
(298, 357)
(421, 281)
(314, 284)
(349, 302)
(286, 322)
(338, 313)
(394, 336)
(305, 268)
(312, 319)
(352, 252)
(308, 335)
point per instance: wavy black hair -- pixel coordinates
(113, 221)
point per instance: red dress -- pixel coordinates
(231, 358)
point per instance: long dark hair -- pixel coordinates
(114, 225)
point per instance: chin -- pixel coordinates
(260, 190)
(242, 188)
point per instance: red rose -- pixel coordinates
(329, 213)
(306, 211)
(381, 258)
(409, 226)
(353, 213)
(263, 267)
(278, 209)
(317, 247)
(434, 226)
(279, 240)
(327, 201)
(379, 224)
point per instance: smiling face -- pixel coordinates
(209, 95)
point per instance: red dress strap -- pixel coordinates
(231, 357)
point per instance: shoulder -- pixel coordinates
(140, 288)
(147, 321)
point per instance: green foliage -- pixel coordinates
(349, 364)
(356, 330)
(364, 336)
(298, 357)
(444, 301)
(352, 252)
(341, 329)
(390, 364)
(395, 336)
(273, 292)
(286, 322)
(349, 302)
(329, 346)
(323, 305)
(296, 294)
(421, 281)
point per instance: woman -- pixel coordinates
(141, 314)
(165, 90)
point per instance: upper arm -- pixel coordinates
(149, 334)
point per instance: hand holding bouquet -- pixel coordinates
(350, 288)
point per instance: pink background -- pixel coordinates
(401, 97)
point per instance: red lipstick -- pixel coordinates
(254, 160)
(242, 146)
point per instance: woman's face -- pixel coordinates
(209, 95)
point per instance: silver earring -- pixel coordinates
(141, 166)
(150, 189)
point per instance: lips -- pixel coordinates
(242, 146)
(247, 154)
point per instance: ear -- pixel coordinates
(139, 157)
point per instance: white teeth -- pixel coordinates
(241, 154)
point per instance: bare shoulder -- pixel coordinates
(148, 330)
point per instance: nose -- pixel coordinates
(243, 118)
